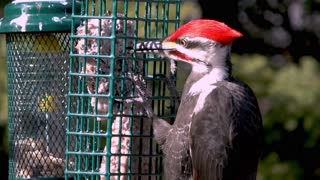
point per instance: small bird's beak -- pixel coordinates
(154, 47)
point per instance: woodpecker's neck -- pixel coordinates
(217, 67)
(213, 56)
(198, 83)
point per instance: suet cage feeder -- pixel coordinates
(71, 90)
(38, 43)
(109, 137)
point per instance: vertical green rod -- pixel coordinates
(83, 139)
(177, 15)
(93, 7)
(162, 63)
(95, 140)
(78, 109)
(122, 85)
(12, 166)
(163, 35)
(87, 120)
(77, 140)
(120, 108)
(148, 9)
(177, 23)
(103, 7)
(136, 34)
(111, 89)
(126, 6)
(158, 161)
(98, 128)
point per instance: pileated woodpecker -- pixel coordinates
(217, 133)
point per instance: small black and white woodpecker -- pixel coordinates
(218, 132)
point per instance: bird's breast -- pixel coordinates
(202, 97)
(185, 110)
(192, 105)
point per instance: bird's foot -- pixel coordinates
(141, 93)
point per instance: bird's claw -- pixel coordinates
(141, 94)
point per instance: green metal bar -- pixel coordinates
(109, 57)
(78, 126)
(148, 17)
(12, 171)
(127, 18)
(163, 64)
(111, 91)
(136, 27)
(108, 116)
(123, 85)
(103, 7)
(86, 11)
(96, 140)
(112, 174)
(117, 154)
(122, 82)
(158, 160)
(119, 97)
(69, 99)
(102, 11)
(103, 134)
(93, 7)
(81, 87)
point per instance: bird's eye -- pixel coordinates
(183, 42)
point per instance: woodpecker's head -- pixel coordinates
(205, 44)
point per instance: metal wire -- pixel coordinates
(37, 88)
(115, 142)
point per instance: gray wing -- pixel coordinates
(174, 143)
(226, 136)
(177, 160)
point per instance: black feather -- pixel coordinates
(226, 135)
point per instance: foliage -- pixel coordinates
(274, 27)
(273, 168)
(289, 101)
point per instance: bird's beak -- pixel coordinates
(155, 47)
(168, 45)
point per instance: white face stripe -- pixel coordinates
(211, 54)
(204, 86)
(191, 52)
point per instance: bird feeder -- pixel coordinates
(108, 133)
(37, 40)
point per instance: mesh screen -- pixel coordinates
(37, 91)
(107, 136)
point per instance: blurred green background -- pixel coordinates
(279, 58)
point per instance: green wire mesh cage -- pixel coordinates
(108, 135)
(37, 85)
(37, 38)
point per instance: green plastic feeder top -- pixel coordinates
(37, 16)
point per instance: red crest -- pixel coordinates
(210, 29)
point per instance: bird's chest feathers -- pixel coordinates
(204, 86)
